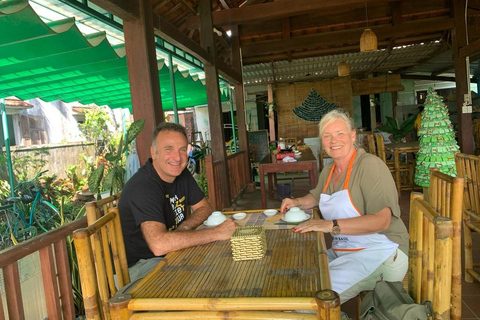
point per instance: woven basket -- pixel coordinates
(248, 243)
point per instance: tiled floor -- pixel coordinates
(470, 291)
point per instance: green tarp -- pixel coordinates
(54, 61)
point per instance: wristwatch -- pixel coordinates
(336, 228)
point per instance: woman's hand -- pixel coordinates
(314, 225)
(288, 203)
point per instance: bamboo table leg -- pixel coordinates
(328, 302)
(119, 307)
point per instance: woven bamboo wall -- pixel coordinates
(287, 97)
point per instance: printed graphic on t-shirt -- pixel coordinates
(178, 208)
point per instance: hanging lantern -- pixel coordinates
(368, 41)
(343, 69)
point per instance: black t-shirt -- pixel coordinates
(146, 197)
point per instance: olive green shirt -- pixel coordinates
(372, 188)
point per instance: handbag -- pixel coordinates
(390, 301)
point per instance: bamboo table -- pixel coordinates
(205, 282)
(270, 165)
(397, 149)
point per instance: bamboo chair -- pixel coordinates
(101, 254)
(371, 147)
(430, 252)
(406, 169)
(321, 156)
(445, 196)
(468, 167)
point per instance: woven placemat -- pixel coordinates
(248, 243)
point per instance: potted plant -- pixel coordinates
(398, 131)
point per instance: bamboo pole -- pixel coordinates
(415, 248)
(443, 267)
(328, 302)
(119, 307)
(224, 315)
(224, 304)
(456, 215)
(87, 273)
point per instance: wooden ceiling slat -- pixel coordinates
(274, 10)
(348, 36)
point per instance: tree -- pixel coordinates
(437, 141)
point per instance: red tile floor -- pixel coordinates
(470, 291)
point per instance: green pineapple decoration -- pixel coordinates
(437, 141)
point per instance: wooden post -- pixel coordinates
(50, 287)
(64, 279)
(328, 303)
(240, 102)
(214, 102)
(119, 307)
(462, 76)
(271, 114)
(143, 75)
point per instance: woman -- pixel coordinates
(359, 204)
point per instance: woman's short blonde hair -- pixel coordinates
(335, 115)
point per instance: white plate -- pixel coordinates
(239, 216)
(270, 212)
(308, 217)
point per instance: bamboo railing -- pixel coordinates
(430, 257)
(239, 177)
(57, 283)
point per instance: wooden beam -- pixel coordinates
(286, 34)
(443, 70)
(474, 5)
(459, 40)
(469, 50)
(160, 5)
(173, 9)
(168, 32)
(187, 5)
(124, 9)
(338, 38)
(274, 10)
(390, 83)
(426, 77)
(143, 75)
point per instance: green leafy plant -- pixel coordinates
(95, 129)
(27, 165)
(398, 131)
(270, 106)
(110, 173)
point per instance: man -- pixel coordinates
(153, 205)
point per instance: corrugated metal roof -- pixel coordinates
(380, 61)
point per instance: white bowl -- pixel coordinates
(216, 218)
(239, 216)
(295, 214)
(270, 212)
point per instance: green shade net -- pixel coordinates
(54, 61)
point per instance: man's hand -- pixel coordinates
(226, 229)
